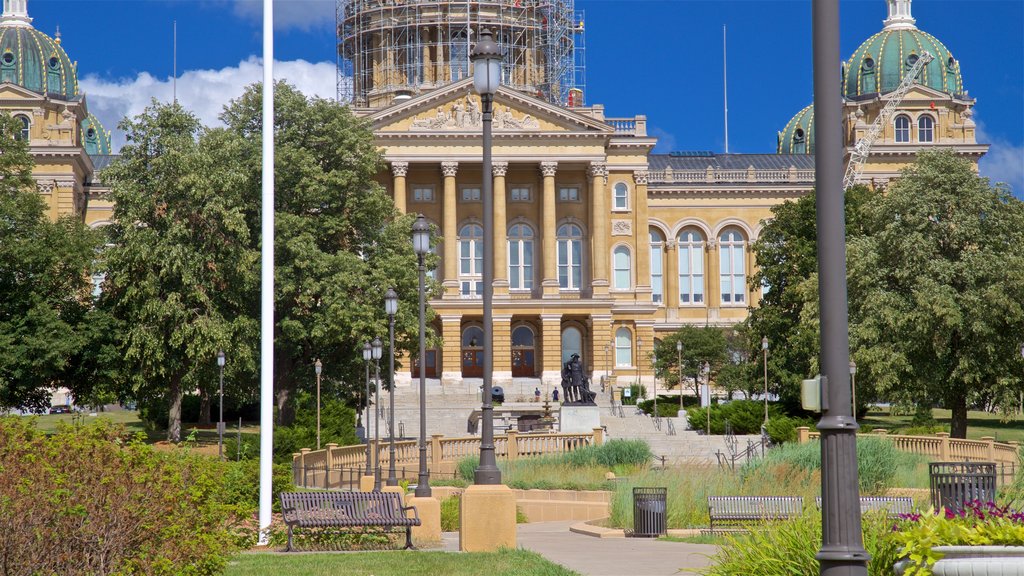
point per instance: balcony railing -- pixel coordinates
(721, 176)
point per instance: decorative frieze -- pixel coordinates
(622, 227)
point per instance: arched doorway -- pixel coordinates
(523, 355)
(473, 352)
(572, 343)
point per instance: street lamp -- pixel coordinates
(376, 348)
(639, 375)
(367, 356)
(421, 245)
(679, 364)
(220, 422)
(853, 387)
(764, 347)
(318, 368)
(607, 366)
(654, 365)
(391, 308)
(705, 369)
(487, 58)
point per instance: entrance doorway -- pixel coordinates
(473, 352)
(523, 353)
(431, 365)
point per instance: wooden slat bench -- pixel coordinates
(893, 505)
(346, 509)
(739, 510)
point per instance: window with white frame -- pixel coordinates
(572, 343)
(471, 260)
(925, 129)
(902, 126)
(623, 347)
(470, 194)
(657, 266)
(519, 194)
(621, 268)
(569, 194)
(423, 194)
(25, 124)
(570, 256)
(620, 196)
(691, 267)
(520, 257)
(732, 266)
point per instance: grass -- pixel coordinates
(397, 563)
(49, 422)
(978, 423)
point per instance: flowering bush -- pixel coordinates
(979, 524)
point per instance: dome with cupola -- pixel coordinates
(881, 62)
(798, 135)
(31, 59)
(95, 139)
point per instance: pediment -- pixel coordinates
(457, 108)
(9, 91)
(921, 92)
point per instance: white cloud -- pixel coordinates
(1004, 161)
(204, 92)
(300, 14)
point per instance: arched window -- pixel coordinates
(620, 196)
(621, 268)
(570, 255)
(473, 337)
(25, 124)
(925, 129)
(572, 343)
(522, 336)
(732, 254)
(520, 257)
(902, 128)
(657, 266)
(691, 267)
(623, 347)
(471, 260)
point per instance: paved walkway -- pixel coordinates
(592, 556)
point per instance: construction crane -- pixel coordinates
(863, 146)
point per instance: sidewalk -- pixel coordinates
(607, 556)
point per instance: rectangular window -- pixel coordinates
(472, 288)
(470, 194)
(520, 195)
(569, 194)
(657, 290)
(422, 194)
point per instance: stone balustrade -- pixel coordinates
(941, 447)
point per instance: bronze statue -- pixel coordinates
(575, 385)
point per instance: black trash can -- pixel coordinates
(956, 483)
(650, 507)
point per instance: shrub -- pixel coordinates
(744, 416)
(89, 500)
(782, 429)
(668, 406)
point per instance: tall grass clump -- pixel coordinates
(609, 455)
(582, 469)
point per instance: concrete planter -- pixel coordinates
(974, 561)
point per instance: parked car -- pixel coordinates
(60, 409)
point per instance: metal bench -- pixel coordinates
(739, 510)
(893, 505)
(346, 509)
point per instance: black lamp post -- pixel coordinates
(421, 245)
(376, 348)
(391, 308)
(487, 60)
(853, 387)
(318, 368)
(220, 422)
(764, 348)
(367, 356)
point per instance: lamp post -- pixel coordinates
(607, 366)
(318, 368)
(705, 369)
(487, 60)
(391, 308)
(764, 348)
(679, 364)
(220, 422)
(853, 387)
(377, 350)
(639, 343)
(421, 245)
(654, 376)
(367, 356)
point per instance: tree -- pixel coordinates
(44, 282)
(936, 284)
(700, 345)
(179, 269)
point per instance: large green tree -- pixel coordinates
(44, 282)
(936, 284)
(700, 345)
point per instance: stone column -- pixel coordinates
(399, 171)
(551, 353)
(451, 349)
(600, 336)
(502, 375)
(440, 78)
(500, 233)
(548, 232)
(449, 219)
(671, 279)
(643, 238)
(713, 280)
(599, 215)
(428, 67)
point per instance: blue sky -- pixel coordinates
(662, 58)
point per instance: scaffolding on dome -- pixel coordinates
(397, 48)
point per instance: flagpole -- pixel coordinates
(267, 279)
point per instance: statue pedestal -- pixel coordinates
(578, 419)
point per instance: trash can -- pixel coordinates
(954, 484)
(649, 512)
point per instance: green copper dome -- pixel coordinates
(95, 139)
(32, 59)
(880, 63)
(798, 135)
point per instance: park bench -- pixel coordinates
(893, 505)
(347, 510)
(739, 510)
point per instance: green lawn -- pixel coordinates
(49, 422)
(396, 563)
(978, 423)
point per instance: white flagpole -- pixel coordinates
(267, 279)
